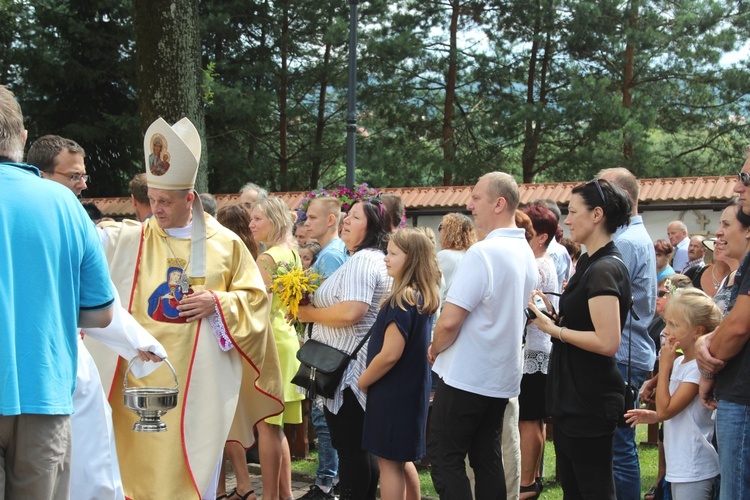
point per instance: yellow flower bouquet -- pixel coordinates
(294, 286)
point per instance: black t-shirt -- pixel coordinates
(585, 389)
(654, 332)
(695, 274)
(733, 382)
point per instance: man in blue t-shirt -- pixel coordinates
(322, 224)
(54, 279)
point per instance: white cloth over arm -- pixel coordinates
(125, 337)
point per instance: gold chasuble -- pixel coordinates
(215, 384)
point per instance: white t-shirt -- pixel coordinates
(493, 282)
(687, 436)
(448, 261)
(563, 263)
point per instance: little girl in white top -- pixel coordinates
(692, 461)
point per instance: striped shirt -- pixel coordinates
(362, 278)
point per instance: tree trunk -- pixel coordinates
(257, 87)
(283, 89)
(534, 124)
(167, 42)
(528, 156)
(317, 159)
(628, 72)
(449, 143)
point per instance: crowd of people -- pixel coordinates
(493, 327)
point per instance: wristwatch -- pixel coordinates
(707, 375)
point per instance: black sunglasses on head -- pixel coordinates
(595, 182)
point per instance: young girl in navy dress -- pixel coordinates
(397, 376)
(692, 461)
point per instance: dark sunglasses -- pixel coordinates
(744, 178)
(375, 200)
(662, 293)
(440, 227)
(595, 182)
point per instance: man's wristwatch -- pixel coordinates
(707, 375)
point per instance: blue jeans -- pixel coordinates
(328, 459)
(733, 437)
(626, 467)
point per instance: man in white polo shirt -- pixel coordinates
(476, 349)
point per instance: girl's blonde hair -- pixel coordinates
(420, 274)
(282, 219)
(697, 308)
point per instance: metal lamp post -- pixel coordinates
(351, 114)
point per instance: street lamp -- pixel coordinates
(351, 114)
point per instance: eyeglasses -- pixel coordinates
(440, 227)
(662, 293)
(744, 178)
(599, 188)
(74, 178)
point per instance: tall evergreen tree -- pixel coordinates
(71, 65)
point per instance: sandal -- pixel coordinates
(241, 497)
(532, 488)
(222, 497)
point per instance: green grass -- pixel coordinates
(552, 491)
(307, 466)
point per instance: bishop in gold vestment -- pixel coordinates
(225, 357)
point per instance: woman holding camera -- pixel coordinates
(584, 387)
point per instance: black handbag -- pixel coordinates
(322, 366)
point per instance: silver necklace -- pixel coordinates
(184, 283)
(713, 278)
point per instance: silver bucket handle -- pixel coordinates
(125, 377)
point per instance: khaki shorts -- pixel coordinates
(35, 456)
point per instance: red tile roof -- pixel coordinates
(672, 191)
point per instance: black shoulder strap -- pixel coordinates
(356, 349)
(362, 342)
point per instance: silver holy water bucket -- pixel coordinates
(150, 403)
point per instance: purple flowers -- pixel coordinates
(347, 196)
